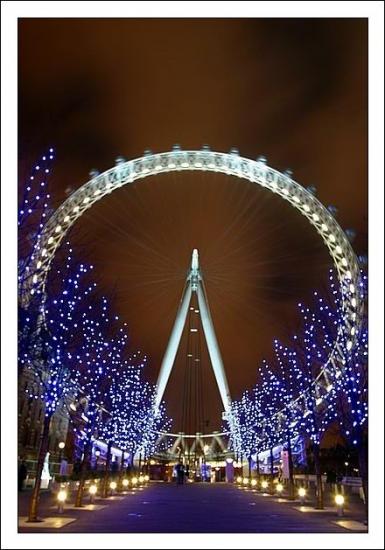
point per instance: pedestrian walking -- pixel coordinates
(180, 473)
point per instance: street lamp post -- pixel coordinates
(97, 454)
(61, 447)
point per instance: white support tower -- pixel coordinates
(194, 283)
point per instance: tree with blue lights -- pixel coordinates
(297, 366)
(46, 355)
(33, 212)
(351, 393)
(289, 376)
(134, 421)
(245, 431)
(98, 363)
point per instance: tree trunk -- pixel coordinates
(249, 461)
(140, 462)
(258, 472)
(106, 471)
(317, 465)
(83, 472)
(363, 469)
(121, 472)
(291, 468)
(33, 506)
(271, 471)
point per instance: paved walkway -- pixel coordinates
(192, 508)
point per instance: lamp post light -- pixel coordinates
(302, 495)
(61, 447)
(61, 498)
(340, 500)
(93, 490)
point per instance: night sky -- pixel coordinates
(292, 90)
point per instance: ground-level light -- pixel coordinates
(340, 500)
(92, 490)
(146, 478)
(245, 481)
(61, 498)
(239, 479)
(302, 494)
(113, 486)
(264, 484)
(125, 482)
(253, 482)
(141, 479)
(134, 480)
(279, 488)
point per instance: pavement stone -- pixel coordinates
(196, 508)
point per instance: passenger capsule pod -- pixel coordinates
(351, 234)
(333, 210)
(312, 189)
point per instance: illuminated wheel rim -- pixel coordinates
(255, 171)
